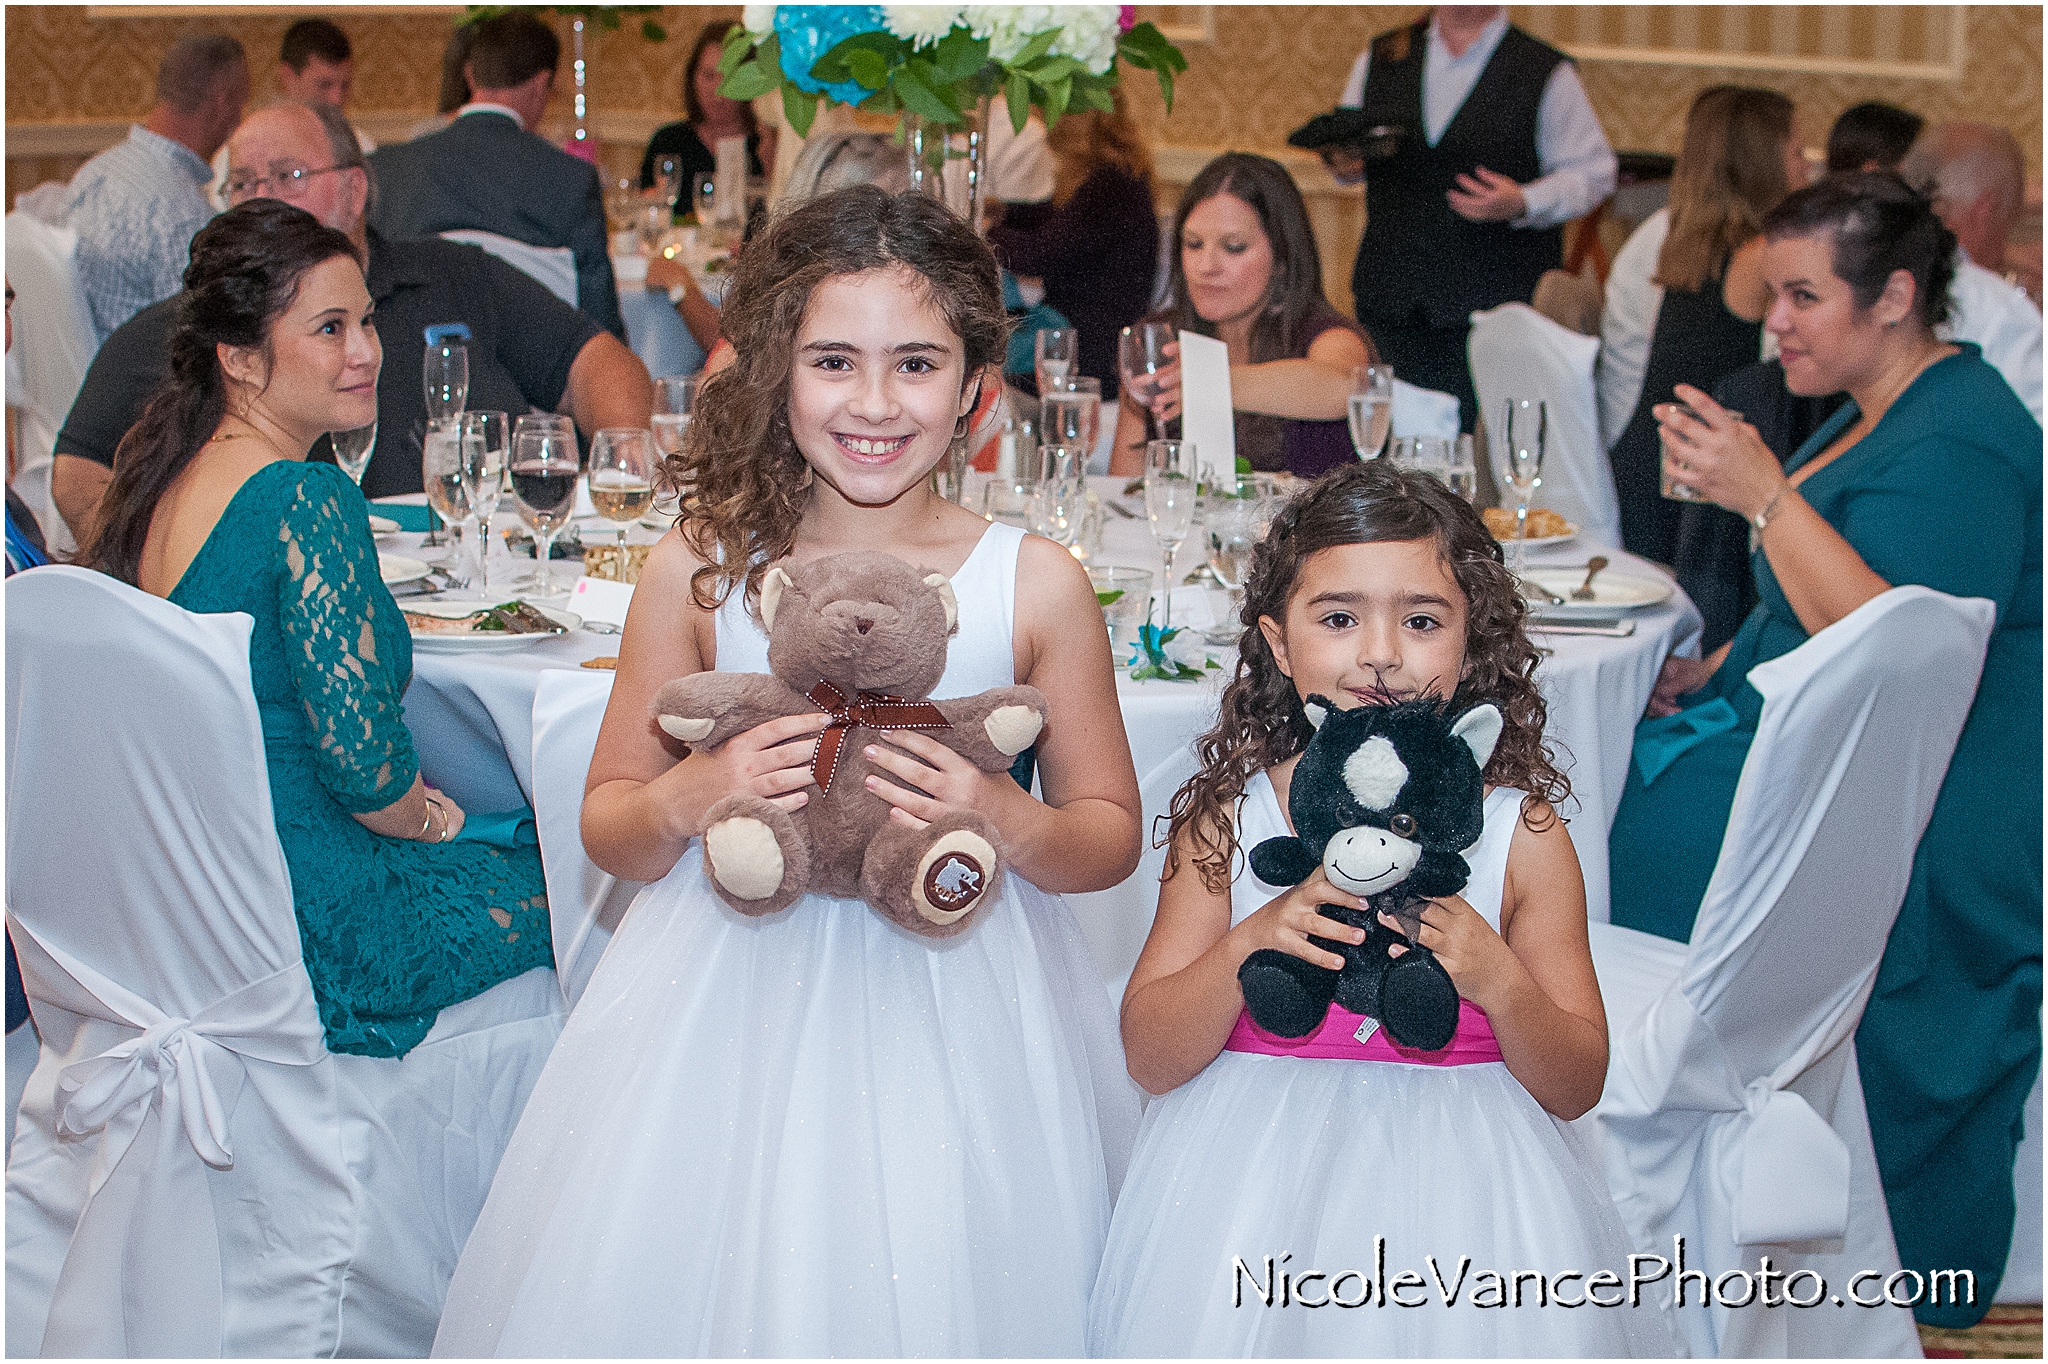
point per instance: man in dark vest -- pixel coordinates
(1499, 148)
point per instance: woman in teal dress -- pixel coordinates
(1930, 475)
(214, 507)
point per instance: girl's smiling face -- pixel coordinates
(878, 384)
(1369, 621)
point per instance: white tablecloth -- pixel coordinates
(471, 717)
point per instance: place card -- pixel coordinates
(1205, 412)
(596, 599)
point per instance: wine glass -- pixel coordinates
(675, 397)
(1372, 409)
(1462, 474)
(484, 444)
(543, 470)
(446, 372)
(1059, 499)
(1518, 463)
(1057, 351)
(352, 450)
(668, 178)
(1072, 414)
(622, 465)
(441, 476)
(1141, 354)
(1234, 524)
(1170, 507)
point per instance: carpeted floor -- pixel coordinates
(2008, 1332)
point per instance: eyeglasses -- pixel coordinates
(287, 180)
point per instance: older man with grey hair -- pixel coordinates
(1976, 176)
(137, 205)
(527, 349)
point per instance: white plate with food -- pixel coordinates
(383, 525)
(1546, 527)
(466, 626)
(397, 568)
(1611, 591)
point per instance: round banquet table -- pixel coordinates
(471, 714)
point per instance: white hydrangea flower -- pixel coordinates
(1088, 34)
(1187, 647)
(921, 24)
(758, 19)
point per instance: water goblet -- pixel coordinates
(1072, 414)
(543, 471)
(1170, 507)
(675, 398)
(352, 450)
(1234, 523)
(1372, 409)
(1518, 463)
(441, 476)
(1462, 473)
(1056, 352)
(1141, 354)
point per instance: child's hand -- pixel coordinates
(1286, 923)
(770, 760)
(946, 780)
(1479, 960)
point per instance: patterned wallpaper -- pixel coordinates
(1267, 70)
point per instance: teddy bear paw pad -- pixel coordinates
(952, 876)
(689, 731)
(744, 857)
(1012, 728)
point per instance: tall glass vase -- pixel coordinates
(950, 163)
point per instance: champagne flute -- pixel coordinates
(543, 470)
(484, 445)
(352, 450)
(1372, 409)
(1071, 414)
(441, 475)
(446, 372)
(622, 465)
(1141, 354)
(1057, 352)
(1170, 507)
(1462, 473)
(1518, 464)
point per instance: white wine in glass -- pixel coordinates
(622, 465)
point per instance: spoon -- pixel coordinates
(1584, 591)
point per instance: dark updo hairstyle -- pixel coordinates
(1261, 720)
(1878, 224)
(245, 272)
(742, 481)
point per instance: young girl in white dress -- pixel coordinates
(812, 1132)
(1350, 1163)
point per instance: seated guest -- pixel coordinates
(315, 65)
(214, 507)
(709, 117)
(1096, 244)
(1976, 177)
(1245, 270)
(1871, 136)
(527, 349)
(1931, 474)
(489, 172)
(1740, 156)
(136, 205)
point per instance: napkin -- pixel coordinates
(1205, 415)
(513, 828)
(1424, 412)
(597, 599)
(1660, 742)
(413, 516)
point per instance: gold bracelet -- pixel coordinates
(433, 805)
(425, 824)
(1763, 517)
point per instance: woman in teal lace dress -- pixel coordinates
(1930, 475)
(213, 506)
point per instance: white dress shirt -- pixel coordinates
(2002, 320)
(1627, 323)
(135, 208)
(1578, 166)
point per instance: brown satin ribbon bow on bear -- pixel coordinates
(876, 710)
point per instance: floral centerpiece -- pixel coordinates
(941, 63)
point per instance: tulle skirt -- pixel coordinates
(1312, 1162)
(810, 1134)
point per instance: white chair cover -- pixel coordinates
(1117, 921)
(1732, 1114)
(53, 345)
(2022, 1281)
(585, 902)
(193, 1173)
(553, 266)
(1516, 352)
(1424, 412)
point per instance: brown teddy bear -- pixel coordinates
(863, 637)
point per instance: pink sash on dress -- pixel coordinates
(1337, 1040)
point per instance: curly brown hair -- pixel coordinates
(742, 481)
(1261, 720)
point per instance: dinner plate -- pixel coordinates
(1611, 591)
(482, 640)
(1535, 540)
(397, 568)
(383, 525)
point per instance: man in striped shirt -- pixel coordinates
(136, 205)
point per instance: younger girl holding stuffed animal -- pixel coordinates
(1374, 585)
(813, 1131)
